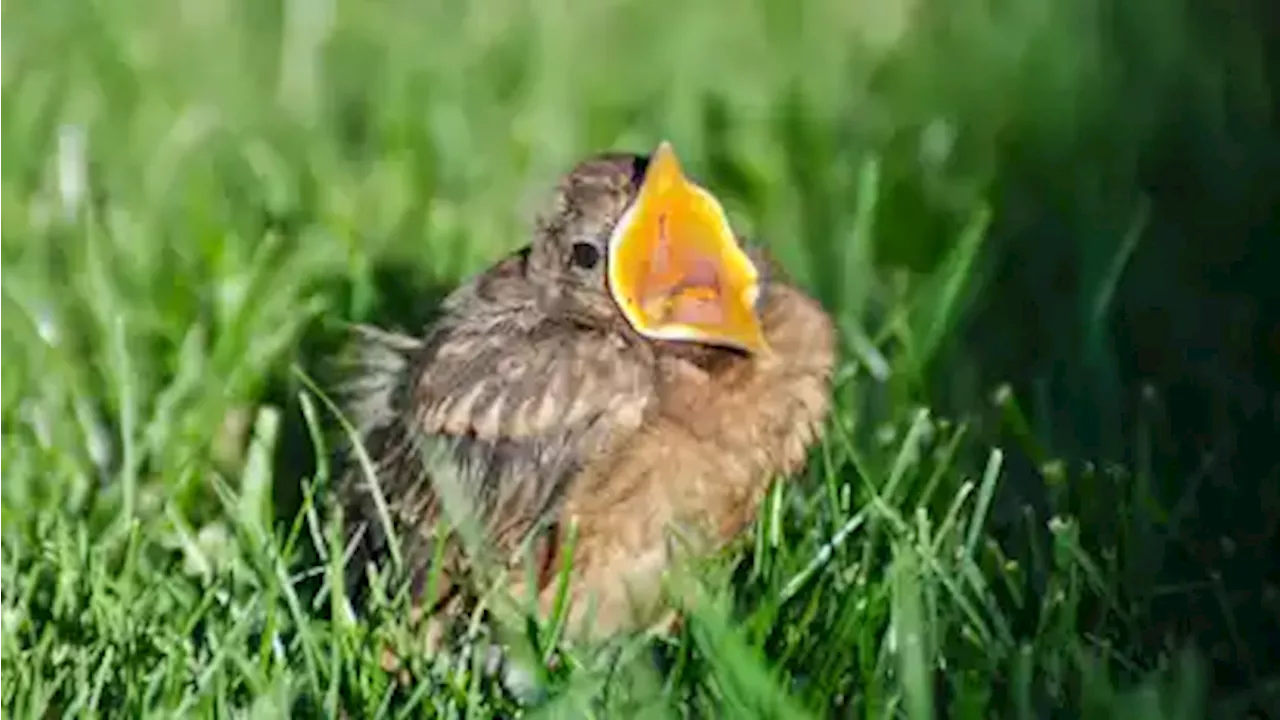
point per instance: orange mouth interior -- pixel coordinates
(675, 267)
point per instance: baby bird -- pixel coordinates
(635, 373)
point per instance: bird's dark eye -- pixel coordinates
(585, 255)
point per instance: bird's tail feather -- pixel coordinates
(374, 371)
(374, 375)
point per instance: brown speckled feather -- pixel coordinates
(532, 401)
(702, 463)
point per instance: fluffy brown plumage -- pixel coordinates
(533, 401)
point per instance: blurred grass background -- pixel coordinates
(1054, 223)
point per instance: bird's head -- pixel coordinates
(631, 238)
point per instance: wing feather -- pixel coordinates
(487, 419)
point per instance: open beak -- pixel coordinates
(675, 267)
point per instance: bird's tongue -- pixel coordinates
(694, 298)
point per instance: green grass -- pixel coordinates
(196, 195)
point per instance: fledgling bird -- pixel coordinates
(636, 370)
